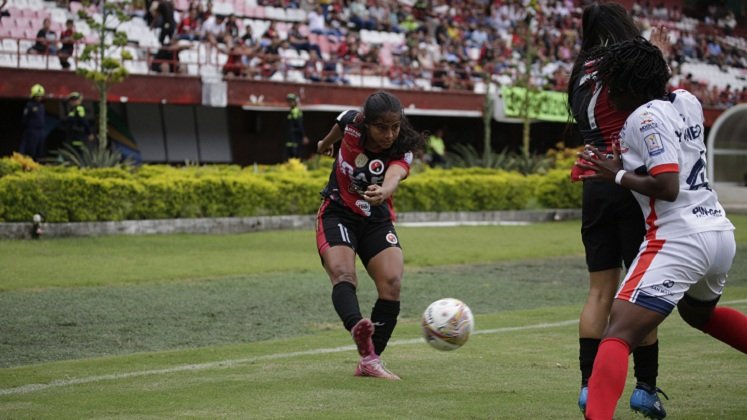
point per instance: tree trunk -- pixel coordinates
(487, 118)
(103, 123)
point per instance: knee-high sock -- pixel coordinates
(587, 351)
(646, 364)
(384, 318)
(728, 325)
(345, 302)
(608, 379)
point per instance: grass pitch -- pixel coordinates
(259, 339)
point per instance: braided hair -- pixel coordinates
(601, 25)
(634, 68)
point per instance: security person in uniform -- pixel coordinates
(34, 121)
(296, 136)
(78, 128)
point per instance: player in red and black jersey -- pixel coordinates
(612, 224)
(357, 215)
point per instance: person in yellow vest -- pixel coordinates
(296, 137)
(78, 128)
(436, 148)
(34, 124)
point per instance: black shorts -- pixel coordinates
(612, 225)
(337, 225)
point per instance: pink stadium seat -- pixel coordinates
(239, 7)
(74, 7)
(385, 56)
(255, 12)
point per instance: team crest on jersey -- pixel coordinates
(392, 238)
(361, 160)
(364, 206)
(654, 144)
(376, 167)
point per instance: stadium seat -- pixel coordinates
(8, 59)
(10, 45)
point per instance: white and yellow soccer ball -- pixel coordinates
(447, 324)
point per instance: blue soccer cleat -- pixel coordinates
(645, 400)
(582, 396)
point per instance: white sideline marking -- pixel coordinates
(463, 223)
(27, 389)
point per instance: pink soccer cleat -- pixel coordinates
(362, 332)
(373, 367)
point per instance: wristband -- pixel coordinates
(619, 176)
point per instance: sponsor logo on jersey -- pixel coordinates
(364, 206)
(701, 211)
(361, 160)
(693, 132)
(349, 129)
(654, 144)
(376, 167)
(668, 284)
(392, 238)
(648, 125)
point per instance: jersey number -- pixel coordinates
(697, 178)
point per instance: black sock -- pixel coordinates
(384, 318)
(587, 351)
(646, 364)
(346, 304)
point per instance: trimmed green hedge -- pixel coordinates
(159, 191)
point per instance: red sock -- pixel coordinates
(728, 325)
(607, 379)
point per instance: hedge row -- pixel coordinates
(158, 192)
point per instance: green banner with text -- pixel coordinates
(543, 105)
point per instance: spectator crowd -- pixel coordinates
(441, 44)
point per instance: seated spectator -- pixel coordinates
(360, 17)
(67, 39)
(272, 59)
(312, 69)
(239, 55)
(300, 42)
(189, 27)
(333, 70)
(46, 39)
(316, 21)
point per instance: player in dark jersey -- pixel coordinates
(357, 215)
(612, 226)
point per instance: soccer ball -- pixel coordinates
(447, 324)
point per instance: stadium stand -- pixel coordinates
(428, 45)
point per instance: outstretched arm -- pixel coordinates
(664, 186)
(377, 194)
(324, 146)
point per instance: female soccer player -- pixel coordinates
(356, 217)
(689, 244)
(612, 225)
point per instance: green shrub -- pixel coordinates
(159, 192)
(555, 190)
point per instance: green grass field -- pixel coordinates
(242, 326)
